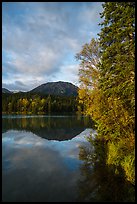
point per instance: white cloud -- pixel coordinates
(39, 38)
(70, 73)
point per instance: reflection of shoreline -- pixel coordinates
(47, 169)
(23, 137)
(57, 128)
(36, 116)
(102, 182)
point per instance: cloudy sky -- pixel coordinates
(40, 41)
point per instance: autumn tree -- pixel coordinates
(108, 87)
(25, 103)
(88, 74)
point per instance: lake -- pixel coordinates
(44, 159)
(40, 157)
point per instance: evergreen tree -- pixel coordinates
(117, 40)
(117, 84)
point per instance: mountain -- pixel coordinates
(57, 88)
(5, 90)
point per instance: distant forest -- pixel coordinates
(30, 103)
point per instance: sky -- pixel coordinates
(40, 41)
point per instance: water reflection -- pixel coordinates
(36, 169)
(48, 159)
(51, 128)
(38, 175)
(98, 181)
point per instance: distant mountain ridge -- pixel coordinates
(59, 88)
(4, 90)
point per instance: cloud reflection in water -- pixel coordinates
(37, 169)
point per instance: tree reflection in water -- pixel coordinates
(48, 127)
(101, 182)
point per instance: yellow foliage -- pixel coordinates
(112, 113)
(129, 167)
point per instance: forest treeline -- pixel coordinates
(107, 90)
(29, 103)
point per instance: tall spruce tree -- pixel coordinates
(117, 83)
(117, 40)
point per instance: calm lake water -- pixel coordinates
(43, 160)
(40, 157)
